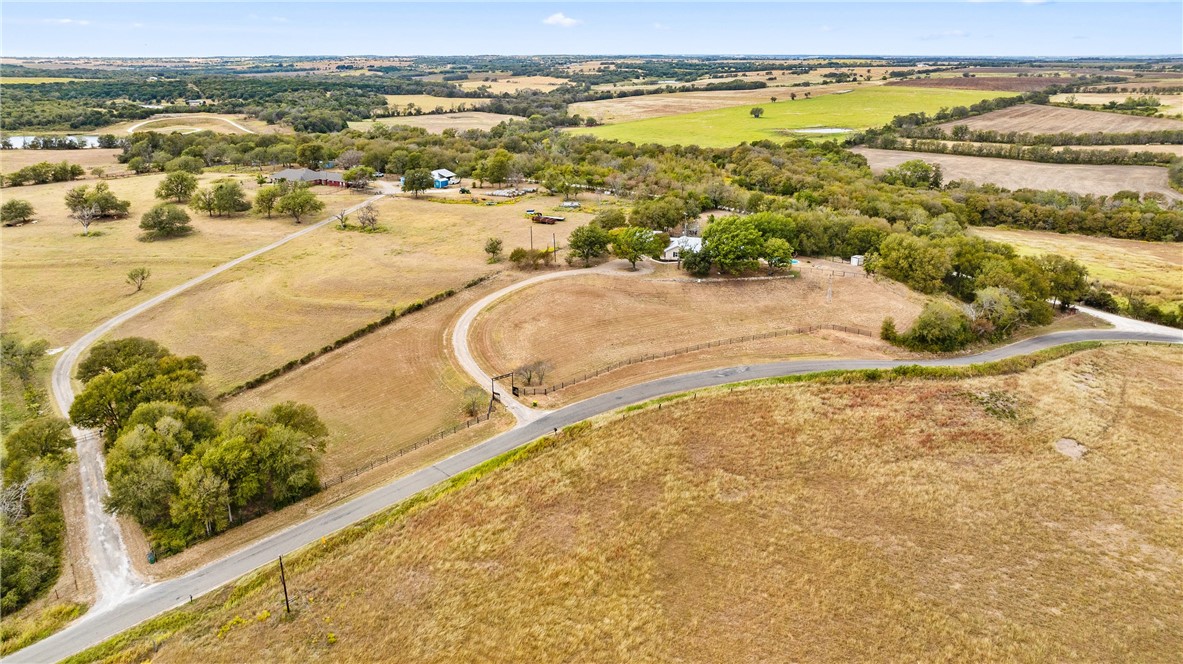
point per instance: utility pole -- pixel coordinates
(531, 237)
(283, 579)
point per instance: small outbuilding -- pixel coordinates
(679, 245)
(857, 260)
(444, 178)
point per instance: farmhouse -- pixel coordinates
(444, 178)
(678, 245)
(309, 176)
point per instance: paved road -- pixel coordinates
(115, 578)
(147, 602)
(172, 116)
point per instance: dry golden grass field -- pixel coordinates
(581, 324)
(1017, 174)
(1030, 118)
(506, 82)
(58, 285)
(436, 123)
(190, 122)
(642, 107)
(1168, 104)
(1152, 270)
(324, 285)
(429, 103)
(911, 521)
(11, 160)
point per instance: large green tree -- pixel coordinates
(589, 242)
(417, 180)
(734, 243)
(165, 221)
(178, 186)
(633, 243)
(299, 203)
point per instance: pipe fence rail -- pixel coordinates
(402, 451)
(534, 391)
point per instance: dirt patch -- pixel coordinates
(1017, 174)
(1070, 448)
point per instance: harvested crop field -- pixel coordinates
(1034, 119)
(581, 324)
(511, 84)
(995, 83)
(57, 284)
(1152, 270)
(323, 286)
(625, 109)
(436, 123)
(1016, 174)
(912, 521)
(429, 103)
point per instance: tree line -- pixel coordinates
(1037, 153)
(173, 464)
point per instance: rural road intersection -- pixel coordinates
(124, 599)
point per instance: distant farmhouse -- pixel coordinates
(309, 176)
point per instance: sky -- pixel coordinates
(970, 28)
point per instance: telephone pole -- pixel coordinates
(283, 579)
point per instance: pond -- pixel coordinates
(21, 142)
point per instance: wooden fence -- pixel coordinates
(534, 391)
(402, 451)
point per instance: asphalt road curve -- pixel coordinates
(146, 602)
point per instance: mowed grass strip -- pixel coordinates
(327, 284)
(58, 284)
(858, 109)
(1151, 270)
(912, 521)
(581, 324)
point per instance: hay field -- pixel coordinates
(58, 285)
(1168, 104)
(436, 123)
(626, 109)
(809, 522)
(1030, 118)
(88, 158)
(502, 83)
(1017, 174)
(580, 324)
(430, 103)
(994, 83)
(324, 285)
(864, 107)
(1152, 270)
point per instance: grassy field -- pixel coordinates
(88, 158)
(865, 107)
(505, 82)
(1016, 174)
(57, 284)
(14, 80)
(1034, 119)
(582, 324)
(911, 521)
(190, 122)
(436, 123)
(1168, 104)
(1152, 270)
(429, 103)
(319, 288)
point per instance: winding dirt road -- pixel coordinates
(172, 116)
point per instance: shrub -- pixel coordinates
(940, 327)
(165, 221)
(15, 212)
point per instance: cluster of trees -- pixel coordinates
(36, 449)
(43, 173)
(88, 205)
(172, 464)
(1040, 153)
(1145, 105)
(891, 136)
(736, 244)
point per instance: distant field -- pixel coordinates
(1168, 104)
(1152, 270)
(11, 160)
(58, 285)
(626, 109)
(14, 80)
(190, 122)
(1030, 118)
(437, 123)
(1016, 174)
(862, 108)
(512, 84)
(919, 520)
(582, 324)
(1014, 84)
(323, 286)
(429, 103)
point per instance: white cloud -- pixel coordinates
(562, 20)
(66, 21)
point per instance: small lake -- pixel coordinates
(20, 142)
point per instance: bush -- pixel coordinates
(165, 221)
(15, 212)
(941, 327)
(887, 331)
